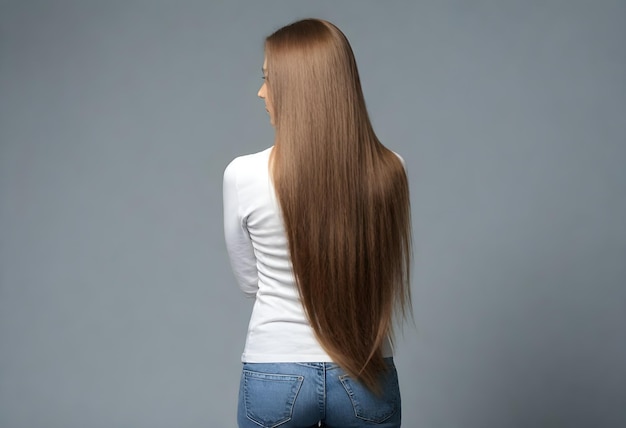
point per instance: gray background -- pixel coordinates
(117, 304)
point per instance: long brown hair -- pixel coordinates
(344, 197)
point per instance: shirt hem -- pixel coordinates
(294, 358)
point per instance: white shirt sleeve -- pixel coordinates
(238, 242)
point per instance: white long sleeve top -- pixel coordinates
(256, 242)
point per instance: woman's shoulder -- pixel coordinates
(248, 165)
(397, 155)
(250, 159)
(401, 159)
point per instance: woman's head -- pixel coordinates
(311, 77)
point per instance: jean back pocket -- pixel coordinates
(371, 407)
(269, 398)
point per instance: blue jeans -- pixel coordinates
(307, 395)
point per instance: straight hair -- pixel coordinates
(344, 197)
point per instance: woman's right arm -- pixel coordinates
(238, 242)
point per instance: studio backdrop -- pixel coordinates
(118, 307)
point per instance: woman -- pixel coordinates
(317, 229)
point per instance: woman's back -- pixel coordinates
(279, 330)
